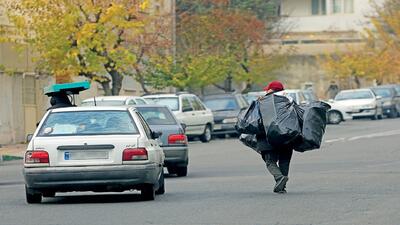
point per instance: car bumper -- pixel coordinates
(224, 128)
(92, 178)
(176, 155)
(387, 110)
(364, 113)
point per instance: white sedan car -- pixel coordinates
(98, 149)
(356, 103)
(114, 101)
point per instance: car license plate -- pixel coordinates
(85, 155)
(217, 127)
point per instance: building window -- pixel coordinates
(337, 6)
(318, 7)
(342, 6)
(348, 6)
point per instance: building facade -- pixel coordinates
(319, 27)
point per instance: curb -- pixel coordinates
(5, 158)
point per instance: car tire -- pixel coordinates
(32, 197)
(335, 117)
(147, 192)
(206, 136)
(182, 171)
(171, 170)
(161, 183)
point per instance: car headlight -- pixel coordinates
(230, 120)
(369, 106)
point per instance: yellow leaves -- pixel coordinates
(144, 5)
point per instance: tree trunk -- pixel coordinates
(116, 82)
(106, 88)
(140, 78)
(357, 80)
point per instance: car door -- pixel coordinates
(202, 117)
(187, 116)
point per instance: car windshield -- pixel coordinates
(221, 104)
(384, 92)
(157, 115)
(354, 95)
(104, 103)
(88, 123)
(171, 102)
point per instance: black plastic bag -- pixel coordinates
(250, 140)
(281, 120)
(249, 121)
(314, 124)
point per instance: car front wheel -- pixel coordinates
(206, 136)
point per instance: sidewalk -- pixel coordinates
(12, 152)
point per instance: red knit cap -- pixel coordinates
(275, 86)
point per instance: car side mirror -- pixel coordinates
(156, 134)
(187, 109)
(29, 138)
(378, 97)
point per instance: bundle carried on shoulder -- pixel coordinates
(283, 123)
(281, 120)
(314, 124)
(249, 121)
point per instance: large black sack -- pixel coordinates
(314, 124)
(250, 140)
(281, 121)
(249, 121)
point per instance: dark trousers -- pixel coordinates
(278, 162)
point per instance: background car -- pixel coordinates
(225, 108)
(173, 138)
(98, 149)
(390, 99)
(189, 110)
(114, 101)
(295, 95)
(358, 103)
(252, 96)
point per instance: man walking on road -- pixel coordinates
(276, 160)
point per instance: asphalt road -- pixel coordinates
(353, 179)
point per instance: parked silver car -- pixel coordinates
(173, 138)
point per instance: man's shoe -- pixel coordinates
(282, 192)
(280, 184)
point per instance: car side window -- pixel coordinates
(146, 127)
(131, 102)
(140, 101)
(186, 106)
(196, 104)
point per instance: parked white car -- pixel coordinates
(96, 149)
(189, 110)
(114, 101)
(295, 95)
(356, 103)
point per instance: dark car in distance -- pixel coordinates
(390, 99)
(225, 108)
(173, 139)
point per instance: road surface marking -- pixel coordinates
(366, 136)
